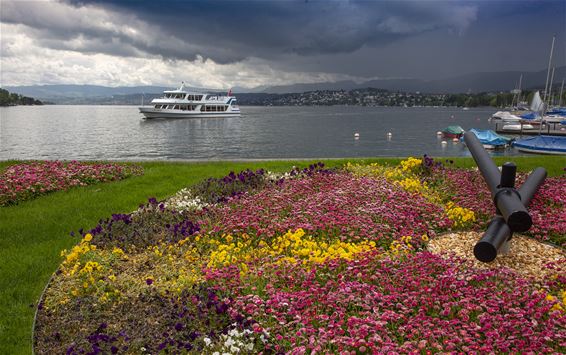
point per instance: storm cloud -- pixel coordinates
(266, 42)
(229, 31)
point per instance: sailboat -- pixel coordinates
(542, 143)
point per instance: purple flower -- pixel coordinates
(149, 281)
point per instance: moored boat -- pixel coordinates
(181, 103)
(453, 132)
(542, 145)
(518, 127)
(506, 116)
(491, 140)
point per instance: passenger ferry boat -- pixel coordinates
(181, 103)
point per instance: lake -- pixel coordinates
(120, 133)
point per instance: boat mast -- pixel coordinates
(561, 92)
(549, 65)
(519, 94)
(550, 89)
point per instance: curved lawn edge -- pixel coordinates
(25, 272)
(31, 252)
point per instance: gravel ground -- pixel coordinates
(527, 256)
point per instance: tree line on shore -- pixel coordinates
(380, 97)
(12, 99)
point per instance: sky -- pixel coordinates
(239, 43)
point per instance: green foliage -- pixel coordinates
(12, 99)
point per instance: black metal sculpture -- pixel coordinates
(510, 203)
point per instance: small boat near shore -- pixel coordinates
(452, 132)
(542, 145)
(491, 140)
(181, 103)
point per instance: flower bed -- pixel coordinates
(312, 260)
(26, 181)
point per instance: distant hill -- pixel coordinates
(12, 99)
(82, 92)
(469, 83)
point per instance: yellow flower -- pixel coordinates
(87, 237)
(462, 217)
(410, 164)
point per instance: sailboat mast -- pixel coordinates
(561, 93)
(549, 65)
(550, 89)
(519, 94)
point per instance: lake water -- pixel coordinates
(120, 133)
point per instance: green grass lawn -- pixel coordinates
(33, 233)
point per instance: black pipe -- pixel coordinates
(531, 185)
(497, 233)
(508, 173)
(487, 167)
(512, 215)
(508, 202)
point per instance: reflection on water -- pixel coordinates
(119, 133)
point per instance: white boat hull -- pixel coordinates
(517, 127)
(151, 112)
(539, 151)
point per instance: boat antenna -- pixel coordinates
(142, 98)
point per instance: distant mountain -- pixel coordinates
(469, 83)
(472, 83)
(59, 93)
(88, 94)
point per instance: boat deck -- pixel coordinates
(552, 129)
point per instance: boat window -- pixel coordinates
(199, 97)
(176, 107)
(234, 103)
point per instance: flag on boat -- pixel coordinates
(230, 92)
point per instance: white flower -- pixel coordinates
(207, 341)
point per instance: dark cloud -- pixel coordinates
(407, 38)
(228, 31)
